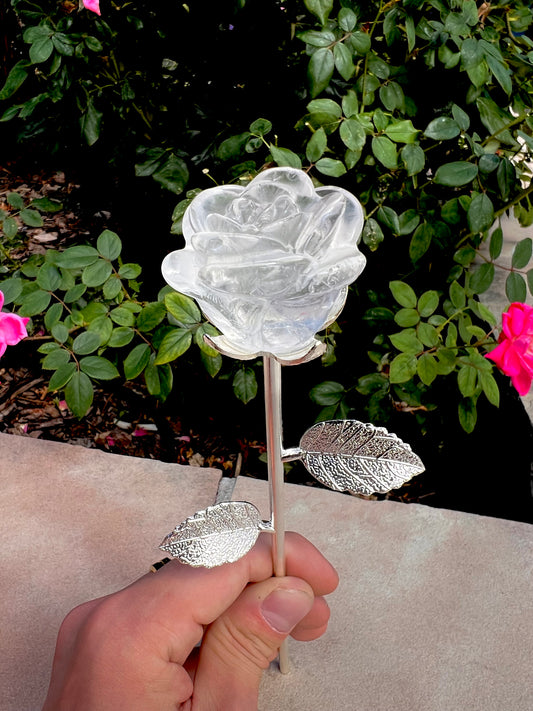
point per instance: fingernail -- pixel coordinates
(283, 609)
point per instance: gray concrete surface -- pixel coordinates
(434, 611)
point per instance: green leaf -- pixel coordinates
(490, 388)
(413, 158)
(151, 316)
(41, 49)
(372, 233)
(60, 332)
(77, 257)
(173, 345)
(11, 289)
(122, 316)
(120, 336)
(129, 271)
(90, 123)
(428, 334)
(87, 342)
(403, 294)
(35, 303)
(97, 273)
(316, 145)
(388, 217)
(166, 379)
(320, 9)
(15, 79)
(408, 221)
(212, 364)
(10, 227)
(327, 393)
(245, 384)
(79, 394)
(62, 375)
(103, 326)
(260, 127)
(15, 200)
(426, 368)
(55, 359)
(361, 42)
(455, 174)
(392, 97)
(352, 134)
(330, 166)
(74, 293)
(112, 287)
(420, 241)
(461, 117)
(401, 132)
(343, 60)
(407, 341)
(173, 174)
(48, 277)
(45, 204)
(53, 315)
(285, 157)
(31, 217)
(496, 243)
(183, 308)
(407, 317)
(109, 245)
(496, 120)
(320, 70)
(506, 178)
(324, 106)
(385, 152)
(515, 287)
(468, 414)
(151, 378)
(522, 253)
(350, 104)
(316, 38)
(403, 368)
(206, 329)
(428, 303)
(347, 19)
(136, 361)
(482, 278)
(457, 295)
(442, 128)
(467, 380)
(98, 368)
(480, 214)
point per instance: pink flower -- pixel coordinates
(93, 5)
(514, 354)
(12, 328)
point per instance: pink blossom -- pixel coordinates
(514, 352)
(12, 328)
(93, 5)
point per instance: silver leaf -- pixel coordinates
(220, 534)
(347, 455)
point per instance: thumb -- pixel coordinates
(243, 641)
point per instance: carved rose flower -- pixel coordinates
(269, 264)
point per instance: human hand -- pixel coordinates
(135, 650)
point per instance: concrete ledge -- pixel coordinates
(434, 611)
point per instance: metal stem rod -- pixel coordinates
(272, 376)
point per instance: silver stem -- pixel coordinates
(272, 375)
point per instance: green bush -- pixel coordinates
(421, 108)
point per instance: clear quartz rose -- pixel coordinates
(269, 264)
